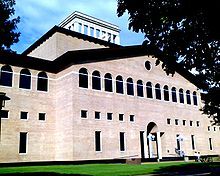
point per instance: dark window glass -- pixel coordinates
(149, 90)
(97, 141)
(193, 142)
(184, 122)
(140, 90)
(181, 96)
(97, 115)
(108, 82)
(131, 118)
(96, 80)
(23, 142)
(130, 86)
(177, 142)
(176, 122)
(168, 121)
(109, 116)
(83, 78)
(195, 98)
(166, 93)
(121, 117)
(42, 116)
(188, 99)
(6, 76)
(210, 143)
(147, 65)
(174, 98)
(197, 123)
(158, 91)
(42, 82)
(191, 123)
(119, 85)
(83, 114)
(208, 128)
(25, 79)
(122, 141)
(24, 115)
(4, 114)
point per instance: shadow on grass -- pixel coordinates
(190, 169)
(41, 174)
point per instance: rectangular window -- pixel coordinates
(42, 116)
(109, 116)
(83, 114)
(184, 122)
(23, 142)
(214, 128)
(97, 141)
(178, 142)
(86, 29)
(197, 123)
(191, 123)
(4, 114)
(193, 141)
(210, 143)
(208, 128)
(131, 118)
(24, 115)
(122, 141)
(168, 121)
(121, 117)
(92, 31)
(97, 115)
(176, 121)
(97, 33)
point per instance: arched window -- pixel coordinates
(83, 78)
(108, 82)
(158, 91)
(42, 81)
(149, 90)
(6, 76)
(25, 79)
(140, 91)
(119, 84)
(195, 98)
(181, 96)
(130, 86)
(174, 98)
(96, 80)
(188, 99)
(166, 93)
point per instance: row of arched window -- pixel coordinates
(119, 85)
(6, 78)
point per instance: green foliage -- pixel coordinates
(8, 35)
(185, 31)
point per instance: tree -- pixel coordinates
(183, 31)
(8, 26)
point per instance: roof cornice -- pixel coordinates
(55, 29)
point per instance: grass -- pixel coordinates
(102, 169)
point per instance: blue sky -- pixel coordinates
(39, 16)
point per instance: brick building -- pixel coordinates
(76, 94)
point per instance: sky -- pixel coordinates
(39, 16)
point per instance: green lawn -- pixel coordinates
(102, 169)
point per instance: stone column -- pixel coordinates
(159, 148)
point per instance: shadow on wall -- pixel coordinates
(41, 174)
(190, 169)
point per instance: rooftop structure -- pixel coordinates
(88, 25)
